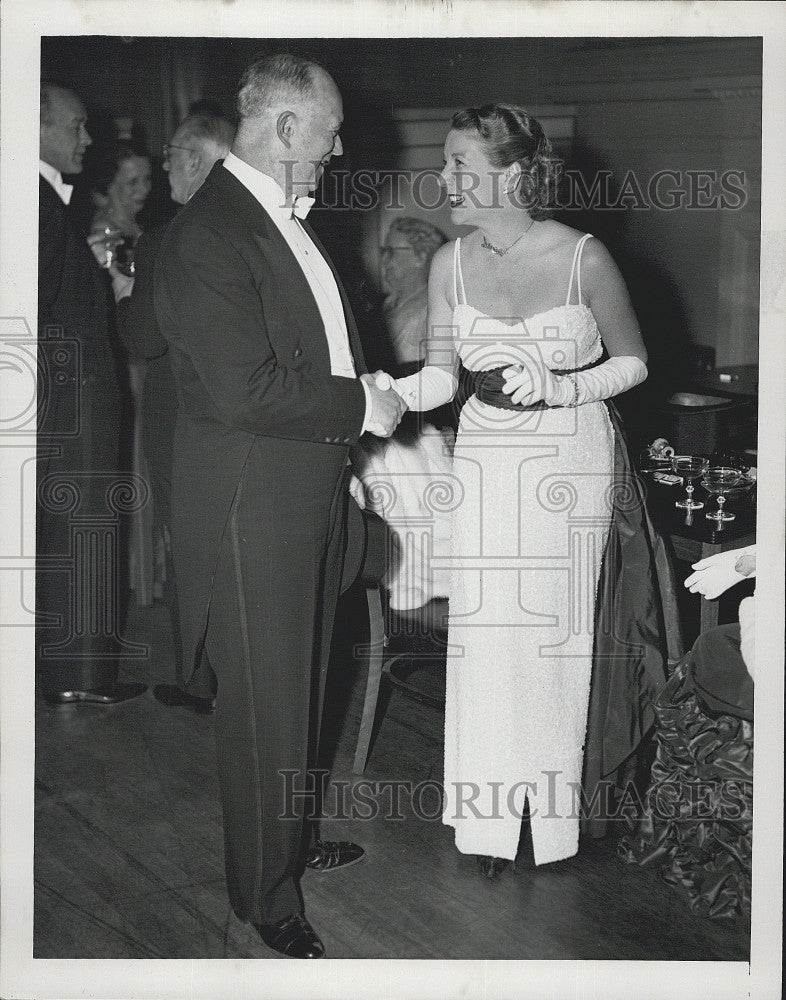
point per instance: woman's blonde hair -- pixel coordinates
(508, 135)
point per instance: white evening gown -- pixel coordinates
(528, 540)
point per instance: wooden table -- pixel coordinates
(693, 535)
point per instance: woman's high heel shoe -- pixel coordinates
(491, 868)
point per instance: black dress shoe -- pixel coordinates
(491, 868)
(175, 697)
(328, 855)
(293, 937)
(112, 694)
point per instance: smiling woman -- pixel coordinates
(529, 311)
(506, 135)
(121, 185)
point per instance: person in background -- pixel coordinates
(199, 141)
(405, 259)
(78, 431)
(399, 475)
(715, 575)
(122, 184)
(702, 844)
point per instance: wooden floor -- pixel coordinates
(129, 851)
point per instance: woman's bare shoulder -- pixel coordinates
(441, 270)
(596, 261)
(562, 236)
(595, 258)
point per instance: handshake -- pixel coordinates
(387, 407)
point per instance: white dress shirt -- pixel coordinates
(55, 178)
(316, 269)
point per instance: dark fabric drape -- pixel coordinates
(636, 631)
(697, 821)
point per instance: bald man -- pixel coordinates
(197, 144)
(267, 362)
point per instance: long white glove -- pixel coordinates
(533, 381)
(714, 575)
(423, 391)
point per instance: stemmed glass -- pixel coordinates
(111, 238)
(720, 481)
(729, 460)
(690, 468)
(124, 256)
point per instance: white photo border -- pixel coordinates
(24, 22)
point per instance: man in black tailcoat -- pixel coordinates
(198, 142)
(266, 359)
(81, 494)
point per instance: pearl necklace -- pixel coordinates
(500, 251)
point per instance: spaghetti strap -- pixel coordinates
(458, 277)
(576, 268)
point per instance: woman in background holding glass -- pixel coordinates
(122, 185)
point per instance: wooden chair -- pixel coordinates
(365, 563)
(380, 661)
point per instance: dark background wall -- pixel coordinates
(642, 106)
(129, 76)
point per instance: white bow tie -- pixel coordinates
(301, 206)
(63, 189)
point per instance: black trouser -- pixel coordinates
(268, 640)
(82, 498)
(159, 416)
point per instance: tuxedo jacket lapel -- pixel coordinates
(290, 280)
(249, 213)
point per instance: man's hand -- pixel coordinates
(380, 379)
(387, 409)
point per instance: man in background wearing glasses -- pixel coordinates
(199, 141)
